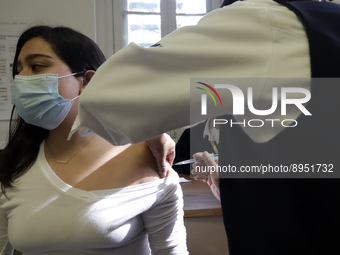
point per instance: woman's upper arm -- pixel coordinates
(165, 224)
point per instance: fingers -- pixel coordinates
(198, 155)
(208, 159)
(205, 168)
(199, 167)
(163, 149)
(171, 156)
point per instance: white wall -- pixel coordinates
(77, 14)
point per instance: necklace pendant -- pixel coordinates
(61, 161)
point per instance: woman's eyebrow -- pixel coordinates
(33, 56)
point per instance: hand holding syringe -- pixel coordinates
(189, 161)
(201, 161)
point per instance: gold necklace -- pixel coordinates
(66, 161)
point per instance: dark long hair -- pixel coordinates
(80, 53)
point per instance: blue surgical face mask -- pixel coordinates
(38, 101)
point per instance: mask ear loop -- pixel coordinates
(67, 75)
(75, 98)
(72, 74)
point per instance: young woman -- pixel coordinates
(82, 196)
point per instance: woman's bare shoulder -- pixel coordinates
(141, 163)
(134, 165)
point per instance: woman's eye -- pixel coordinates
(36, 67)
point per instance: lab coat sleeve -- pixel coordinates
(139, 92)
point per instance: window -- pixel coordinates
(145, 22)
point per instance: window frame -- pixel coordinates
(111, 26)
